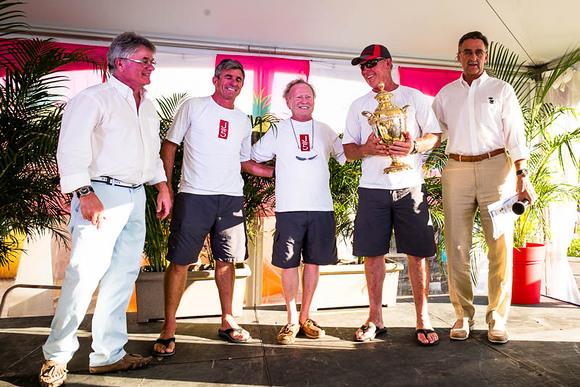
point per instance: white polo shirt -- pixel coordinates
(216, 140)
(302, 184)
(103, 134)
(481, 118)
(420, 120)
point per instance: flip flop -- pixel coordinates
(425, 332)
(370, 331)
(164, 342)
(227, 334)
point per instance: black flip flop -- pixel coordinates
(425, 332)
(166, 343)
(227, 334)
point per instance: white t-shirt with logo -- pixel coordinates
(420, 120)
(215, 140)
(302, 155)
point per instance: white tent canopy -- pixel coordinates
(415, 31)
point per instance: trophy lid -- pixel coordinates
(386, 106)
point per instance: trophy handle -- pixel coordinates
(372, 122)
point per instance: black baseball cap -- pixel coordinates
(371, 52)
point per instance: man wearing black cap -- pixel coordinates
(391, 201)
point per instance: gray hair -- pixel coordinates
(295, 82)
(125, 45)
(228, 64)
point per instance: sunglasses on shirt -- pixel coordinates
(306, 158)
(370, 63)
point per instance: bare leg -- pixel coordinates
(375, 276)
(174, 286)
(419, 276)
(225, 276)
(309, 283)
(290, 280)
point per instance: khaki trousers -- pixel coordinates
(466, 187)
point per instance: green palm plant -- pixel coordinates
(548, 150)
(157, 231)
(344, 181)
(31, 107)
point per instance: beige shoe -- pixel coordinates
(128, 362)
(52, 374)
(312, 330)
(287, 334)
(461, 329)
(497, 333)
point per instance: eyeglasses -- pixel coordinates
(144, 62)
(469, 53)
(370, 64)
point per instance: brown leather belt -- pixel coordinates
(471, 159)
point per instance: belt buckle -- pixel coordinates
(460, 157)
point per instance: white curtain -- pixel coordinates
(559, 278)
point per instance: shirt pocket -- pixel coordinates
(489, 110)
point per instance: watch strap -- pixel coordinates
(522, 172)
(84, 191)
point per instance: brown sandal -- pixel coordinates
(52, 374)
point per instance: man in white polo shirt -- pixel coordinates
(485, 129)
(395, 201)
(305, 226)
(108, 148)
(217, 147)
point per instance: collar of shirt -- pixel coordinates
(476, 82)
(123, 89)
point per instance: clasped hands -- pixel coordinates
(376, 147)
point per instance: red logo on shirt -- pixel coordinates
(304, 142)
(223, 130)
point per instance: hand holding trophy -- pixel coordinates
(389, 122)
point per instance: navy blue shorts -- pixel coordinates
(196, 216)
(404, 210)
(307, 234)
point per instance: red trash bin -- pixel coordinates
(527, 273)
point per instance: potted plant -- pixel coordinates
(32, 207)
(31, 107)
(548, 150)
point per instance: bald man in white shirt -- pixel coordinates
(487, 162)
(108, 148)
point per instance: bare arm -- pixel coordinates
(164, 200)
(168, 150)
(372, 147)
(524, 187)
(257, 169)
(423, 144)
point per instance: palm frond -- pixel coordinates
(11, 18)
(507, 66)
(157, 231)
(31, 106)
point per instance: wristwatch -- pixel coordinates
(522, 172)
(414, 149)
(84, 191)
